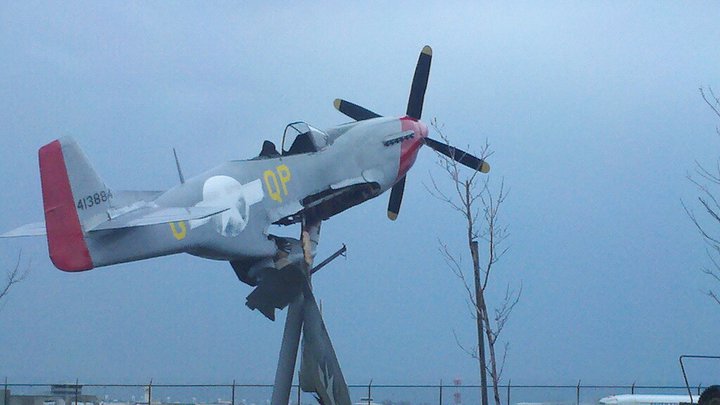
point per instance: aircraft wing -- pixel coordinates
(154, 215)
(139, 217)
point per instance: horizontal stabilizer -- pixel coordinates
(124, 197)
(154, 216)
(34, 229)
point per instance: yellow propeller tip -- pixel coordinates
(427, 50)
(485, 167)
(336, 103)
(392, 215)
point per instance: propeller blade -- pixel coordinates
(354, 111)
(396, 195)
(419, 83)
(458, 155)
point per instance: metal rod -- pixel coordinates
(77, 383)
(340, 252)
(149, 393)
(632, 390)
(233, 392)
(179, 170)
(5, 393)
(682, 367)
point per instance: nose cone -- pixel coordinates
(410, 147)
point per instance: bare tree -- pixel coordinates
(14, 276)
(707, 179)
(480, 205)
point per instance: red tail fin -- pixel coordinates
(66, 242)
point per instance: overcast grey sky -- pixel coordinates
(592, 109)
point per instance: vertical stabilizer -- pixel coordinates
(75, 199)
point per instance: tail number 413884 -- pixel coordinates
(94, 199)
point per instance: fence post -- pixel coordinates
(77, 384)
(233, 392)
(632, 389)
(5, 393)
(369, 398)
(577, 393)
(150, 392)
(699, 388)
(441, 387)
(508, 391)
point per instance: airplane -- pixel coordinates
(226, 212)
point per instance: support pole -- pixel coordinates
(233, 393)
(288, 353)
(309, 237)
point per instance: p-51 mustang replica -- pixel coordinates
(225, 214)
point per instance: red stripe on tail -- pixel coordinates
(66, 243)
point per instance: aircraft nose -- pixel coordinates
(410, 147)
(423, 129)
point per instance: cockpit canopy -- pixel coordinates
(305, 139)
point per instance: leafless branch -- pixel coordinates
(472, 353)
(455, 264)
(502, 314)
(713, 103)
(13, 277)
(714, 296)
(707, 237)
(707, 178)
(504, 358)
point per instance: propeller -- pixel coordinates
(419, 83)
(354, 111)
(458, 155)
(414, 111)
(396, 195)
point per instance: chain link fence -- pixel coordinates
(77, 393)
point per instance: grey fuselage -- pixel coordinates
(352, 163)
